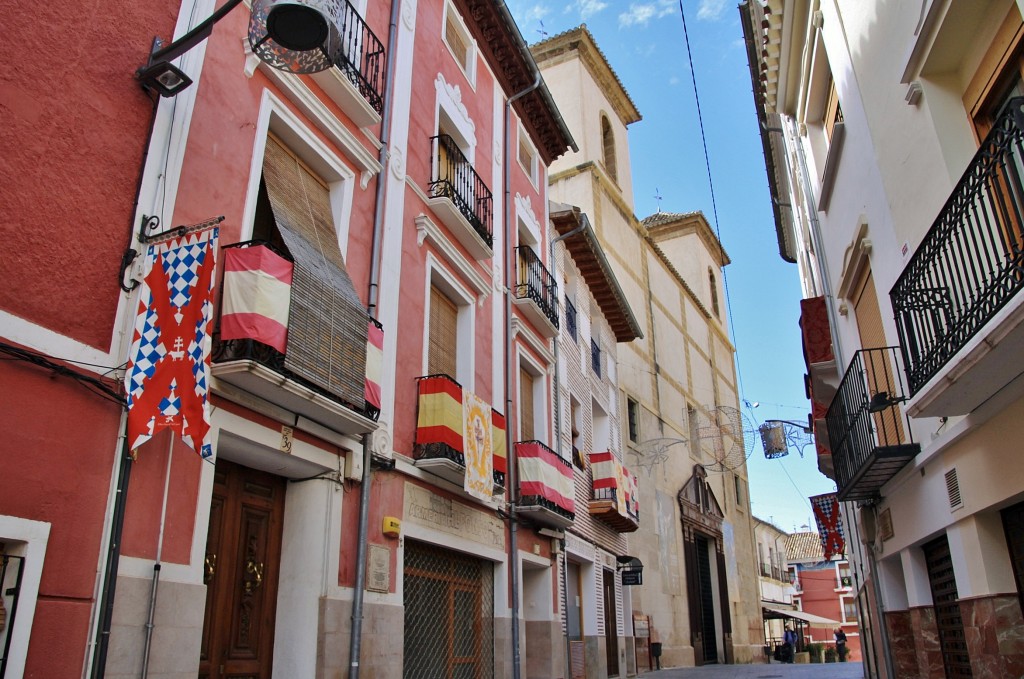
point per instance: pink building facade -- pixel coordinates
(396, 204)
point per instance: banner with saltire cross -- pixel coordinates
(168, 375)
(830, 524)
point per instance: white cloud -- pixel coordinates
(641, 13)
(674, 80)
(589, 8)
(711, 10)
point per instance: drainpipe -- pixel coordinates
(509, 283)
(356, 635)
(558, 436)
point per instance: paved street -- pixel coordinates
(850, 670)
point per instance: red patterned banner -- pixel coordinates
(168, 375)
(830, 524)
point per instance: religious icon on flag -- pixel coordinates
(830, 524)
(168, 375)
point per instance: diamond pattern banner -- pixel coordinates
(830, 524)
(169, 361)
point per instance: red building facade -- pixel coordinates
(825, 589)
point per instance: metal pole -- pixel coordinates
(99, 659)
(156, 565)
(509, 283)
(355, 639)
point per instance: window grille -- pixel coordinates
(595, 357)
(449, 614)
(570, 318)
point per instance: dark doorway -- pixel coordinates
(243, 550)
(1013, 524)
(707, 602)
(955, 658)
(611, 631)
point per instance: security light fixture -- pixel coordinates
(299, 36)
(883, 401)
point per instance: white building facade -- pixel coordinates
(892, 137)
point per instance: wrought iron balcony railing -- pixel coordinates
(551, 489)
(535, 282)
(439, 430)
(360, 57)
(248, 349)
(969, 264)
(869, 435)
(455, 179)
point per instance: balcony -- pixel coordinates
(546, 486)
(956, 304)
(535, 292)
(440, 424)
(869, 436)
(266, 343)
(460, 198)
(614, 500)
(356, 85)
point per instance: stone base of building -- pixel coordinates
(993, 630)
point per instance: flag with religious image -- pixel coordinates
(168, 375)
(830, 524)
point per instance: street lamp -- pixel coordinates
(778, 435)
(298, 36)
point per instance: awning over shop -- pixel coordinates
(771, 613)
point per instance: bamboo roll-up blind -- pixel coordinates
(327, 322)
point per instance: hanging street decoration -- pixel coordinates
(830, 524)
(168, 375)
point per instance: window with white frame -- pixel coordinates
(448, 346)
(460, 43)
(527, 155)
(532, 401)
(849, 609)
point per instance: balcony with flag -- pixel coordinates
(273, 344)
(957, 303)
(614, 500)
(869, 435)
(536, 294)
(822, 378)
(459, 437)
(460, 198)
(546, 486)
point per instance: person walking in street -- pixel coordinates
(840, 636)
(788, 645)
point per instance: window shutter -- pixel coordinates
(526, 429)
(327, 322)
(443, 335)
(456, 41)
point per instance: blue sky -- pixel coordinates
(644, 42)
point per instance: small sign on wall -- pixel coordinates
(885, 524)
(378, 569)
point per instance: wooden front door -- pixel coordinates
(243, 551)
(611, 627)
(955, 657)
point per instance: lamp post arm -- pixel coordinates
(193, 37)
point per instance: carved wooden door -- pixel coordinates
(241, 572)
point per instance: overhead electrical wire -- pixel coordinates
(711, 185)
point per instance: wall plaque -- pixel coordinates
(378, 569)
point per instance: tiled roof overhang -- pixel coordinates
(495, 30)
(585, 249)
